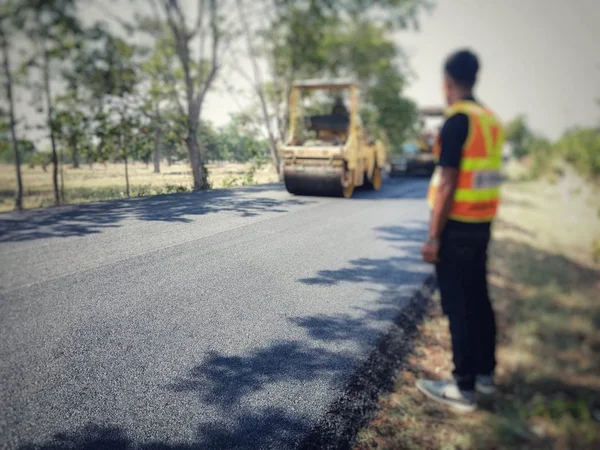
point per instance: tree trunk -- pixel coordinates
(259, 87)
(196, 162)
(51, 125)
(126, 177)
(169, 155)
(156, 156)
(272, 139)
(62, 176)
(75, 157)
(122, 144)
(11, 111)
(195, 87)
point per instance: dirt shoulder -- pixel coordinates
(546, 291)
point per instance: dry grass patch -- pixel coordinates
(546, 290)
(107, 182)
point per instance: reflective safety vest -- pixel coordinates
(477, 192)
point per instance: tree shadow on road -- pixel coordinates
(247, 435)
(225, 380)
(80, 220)
(361, 350)
(93, 218)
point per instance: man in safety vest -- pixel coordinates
(463, 196)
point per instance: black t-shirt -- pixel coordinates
(452, 139)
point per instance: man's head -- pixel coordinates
(460, 75)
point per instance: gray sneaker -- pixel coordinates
(484, 384)
(448, 393)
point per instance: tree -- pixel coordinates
(258, 86)
(111, 77)
(26, 148)
(160, 92)
(82, 98)
(323, 38)
(362, 49)
(519, 135)
(72, 131)
(52, 27)
(198, 73)
(7, 11)
(580, 147)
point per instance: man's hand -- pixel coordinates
(430, 251)
(441, 212)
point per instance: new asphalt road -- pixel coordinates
(226, 319)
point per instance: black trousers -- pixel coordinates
(462, 280)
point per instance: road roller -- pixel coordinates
(417, 155)
(329, 154)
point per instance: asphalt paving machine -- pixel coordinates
(417, 156)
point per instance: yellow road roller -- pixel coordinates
(329, 154)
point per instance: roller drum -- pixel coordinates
(314, 181)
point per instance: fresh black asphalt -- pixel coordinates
(231, 319)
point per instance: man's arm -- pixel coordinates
(443, 202)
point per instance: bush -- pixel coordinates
(541, 156)
(596, 250)
(581, 148)
(230, 181)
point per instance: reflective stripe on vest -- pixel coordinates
(477, 192)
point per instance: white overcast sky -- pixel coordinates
(539, 57)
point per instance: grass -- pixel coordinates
(546, 288)
(106, 182)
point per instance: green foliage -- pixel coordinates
(228, 143)
(247, 179)
(77, 194)
(105, 65)
(396, 116)
(26, 148)
(41, 159)
(393, 14)
(542, 158)
(362, 49)
(519, 136)
(331, 39)
(596, 250)
(581, 148)
(113, 92)
(72, 131)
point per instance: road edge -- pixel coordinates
(338, 428)
(116, 201)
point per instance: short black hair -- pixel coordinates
(462, 66)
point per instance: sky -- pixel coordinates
(537, 56)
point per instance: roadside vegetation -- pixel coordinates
(579, 147)
(545, 282)
(106, 181)
(133, 87)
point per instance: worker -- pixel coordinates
(463, 196)
(339, 108)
